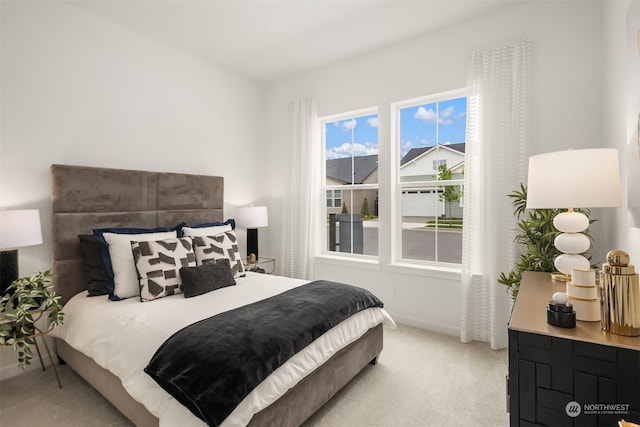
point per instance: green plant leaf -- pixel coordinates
(17, 308)
(536, 233)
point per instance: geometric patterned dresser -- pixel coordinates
(580, 376)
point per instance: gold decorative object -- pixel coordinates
(618, 257)
(620, 295)
(251, 259)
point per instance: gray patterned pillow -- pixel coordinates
(223, 245)
(158, 264)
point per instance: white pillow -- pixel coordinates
(125, 275)
(206, 231)
(223, 245)
(159, 262)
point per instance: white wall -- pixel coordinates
(566, 113)
(620, 120)
(77, 89)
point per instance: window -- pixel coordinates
(430, 138)
(437, 163)
(351, 182)
(334, 198)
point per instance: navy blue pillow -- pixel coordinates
(231, 222)
(99, 233)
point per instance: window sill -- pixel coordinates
(355, 262)
(424, 270)
(451, 273)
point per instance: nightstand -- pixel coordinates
(263, 265)
(566, 376)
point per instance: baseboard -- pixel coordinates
(9, 371)
(9, 361)
(429, 326)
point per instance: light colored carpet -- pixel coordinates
(422, 379)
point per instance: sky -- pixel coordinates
(363, 130)
(418, 128)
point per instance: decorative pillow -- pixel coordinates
(158, 264)
(94, 270)
(121, 268)
(223, 245)
(206, 277)
(209, 229)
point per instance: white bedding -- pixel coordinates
(122, 337)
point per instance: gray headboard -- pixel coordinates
(84, 198)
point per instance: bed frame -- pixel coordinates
(84, 198)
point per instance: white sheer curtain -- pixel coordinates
(497, 116)
(302, 194)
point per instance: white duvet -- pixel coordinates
(122, 337)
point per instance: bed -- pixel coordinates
(88, 198)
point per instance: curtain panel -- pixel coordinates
(301, 195)
(495, 165)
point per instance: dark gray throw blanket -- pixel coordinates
(212, 365)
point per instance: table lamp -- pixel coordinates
(587, 178)
(18, 228)
(252, 218)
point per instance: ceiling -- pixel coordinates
(266, 40)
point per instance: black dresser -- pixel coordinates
(580, 376)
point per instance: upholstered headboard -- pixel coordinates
(84, 198)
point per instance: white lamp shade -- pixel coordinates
(252, 217)
(19, 228)
(588, 178)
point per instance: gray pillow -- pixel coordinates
(207, 277)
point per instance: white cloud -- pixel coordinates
(331, 154)
(347, 150)
(424, 115)
(445, 117)
(347, 125)
(372, 122)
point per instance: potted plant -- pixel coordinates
(536, 233)
(26, 301)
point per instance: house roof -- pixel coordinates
(363, 166)
(417, 152)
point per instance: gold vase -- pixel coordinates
(619, 295)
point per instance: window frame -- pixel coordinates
(324, 251)
(398, 187)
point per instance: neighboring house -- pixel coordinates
(356, 170)
(421, 164)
